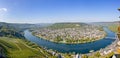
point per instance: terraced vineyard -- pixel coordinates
(19, 48)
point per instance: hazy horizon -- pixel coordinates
(54, 22)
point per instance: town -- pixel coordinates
(71, 35)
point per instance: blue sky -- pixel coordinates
(51, 11)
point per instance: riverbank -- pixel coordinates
(94, 54)
(106, 52)
(77, 48)
(74, 35)
(80, 41)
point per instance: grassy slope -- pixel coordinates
(113, 27)
(17, 48)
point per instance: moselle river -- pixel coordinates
(77, 48)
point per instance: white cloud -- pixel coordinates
(3, 9)
(2, 13)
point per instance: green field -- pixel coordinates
(19, 48)
(113, 27)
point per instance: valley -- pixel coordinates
(16, 43)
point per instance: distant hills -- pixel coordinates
(16, 30)
(9, 31)
(113, 26)
(67, 25)
(105, 23)
(20, 27)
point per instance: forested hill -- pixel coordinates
(7, 31)
(21, 27)
(13, 29)
(67, 25)
(16, 29)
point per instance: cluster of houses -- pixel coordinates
(70, 33)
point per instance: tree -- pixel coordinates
(84, 56)
(58, 39)
(97, 54)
